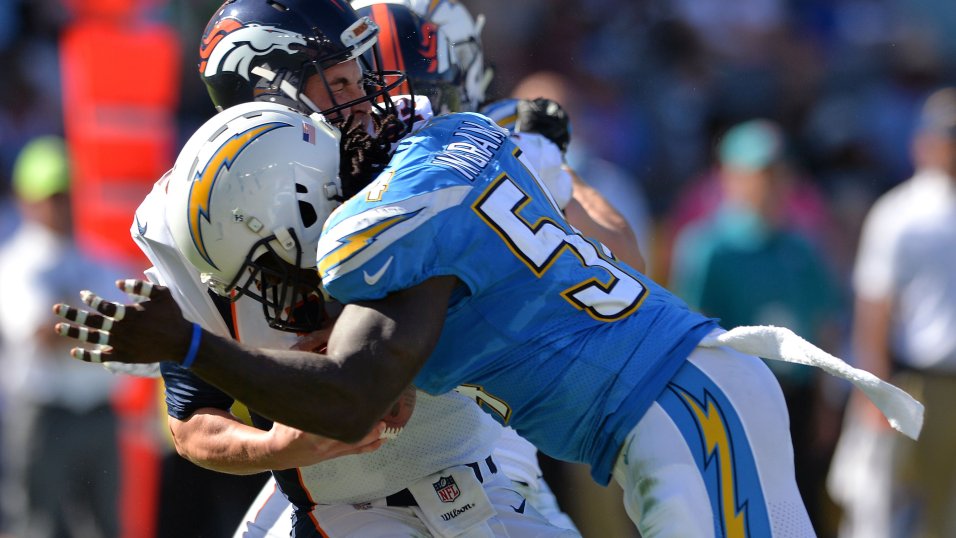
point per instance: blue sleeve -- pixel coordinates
(186, 392)
(413, 222)
(378, 248)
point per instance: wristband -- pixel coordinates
(193, 346)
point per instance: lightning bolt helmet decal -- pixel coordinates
(247, 198)
(201, 189)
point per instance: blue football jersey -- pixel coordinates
(548, 332)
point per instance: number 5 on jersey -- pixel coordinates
(507, 209)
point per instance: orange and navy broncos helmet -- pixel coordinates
(266, 50)
(420, 49)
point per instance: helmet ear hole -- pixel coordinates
(308, 214)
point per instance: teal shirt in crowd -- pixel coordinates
(735, 267)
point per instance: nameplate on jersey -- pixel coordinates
(453, 502)
(472, 147)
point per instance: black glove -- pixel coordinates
(546, 118)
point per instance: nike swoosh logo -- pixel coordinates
(372, 279)
(520, 508)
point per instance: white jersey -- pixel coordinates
(444, 431)
(518, 457)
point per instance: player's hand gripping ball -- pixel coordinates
(398, 414)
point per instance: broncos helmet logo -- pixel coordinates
(200, 192)
(231, 47)
(212, 37)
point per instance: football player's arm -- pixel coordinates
(205, 432)
(374, 352)
(215, 439)
(594, 216)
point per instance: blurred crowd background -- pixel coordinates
(795, 114)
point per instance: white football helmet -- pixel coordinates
(464, 31)
(246, 202)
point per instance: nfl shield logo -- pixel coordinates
(447, 489)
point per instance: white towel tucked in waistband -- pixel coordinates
(902, 411)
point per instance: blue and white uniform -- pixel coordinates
(373, 494)
(457, 199)
(582, 355)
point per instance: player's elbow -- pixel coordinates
(197, 439)
(181, 448)
(182, 437)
